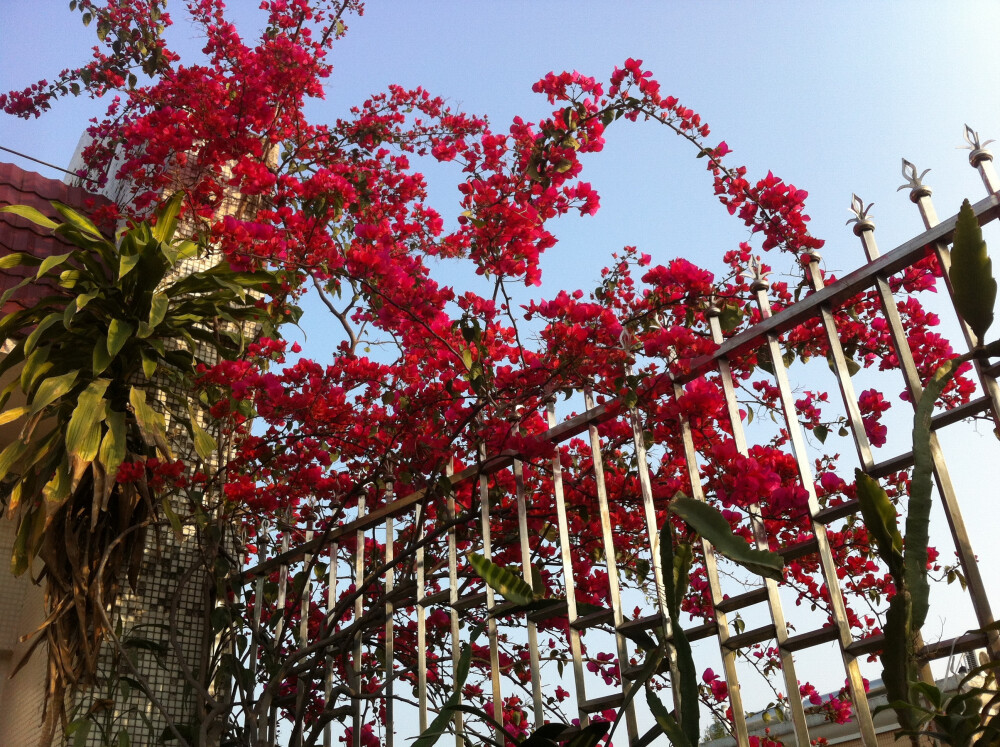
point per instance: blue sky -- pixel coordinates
(828, 96)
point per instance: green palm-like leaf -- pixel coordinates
(712, 525)
(118, 333)
(971, 274)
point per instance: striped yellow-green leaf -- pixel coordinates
(52, 389)
(83, 433)
(101, 359)
(971, 274)
(127, 263)
(513, 588)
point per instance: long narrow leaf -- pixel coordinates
(712, 525)
(31, 214)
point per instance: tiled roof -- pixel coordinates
(20, 187)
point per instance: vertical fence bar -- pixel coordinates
(607, 537)
(566, 555)
(714, 587)
(390, 579)
(359, 611)
(303, 632)
(456, 641)
(271, 722)
(491, 623)
(258, 604)
(331, 601)
(838, 610)
(761, 541)
(421, 582)
(652, 531)
(960, 536)
(526, 568)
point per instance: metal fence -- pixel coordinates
(434, 577)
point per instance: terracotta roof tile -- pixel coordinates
(20, 187)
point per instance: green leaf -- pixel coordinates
(730, 317)
(112, 451)
(971, 274)
(439, 725)
(53, 260)
(821, 432)
(880, 520)
(666, 721)
(83, 433)
(36, 334)
(712, 525)
(675, 569)
(118, 333)
(8, 416)
(590, 735)
(166, 218)
(11, 456)
(16, 259)
(158, 309)
(149, 363)
(150, 421)
(921, 490)
(512, 587)
(127, 263)
(31, 214)
(204, 444)
(52, 389)
(29, 534)
(78, 221)
(100, 359)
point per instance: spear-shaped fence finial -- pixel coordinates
(914, 182)
(978, 149)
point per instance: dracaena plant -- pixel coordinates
(121, 322)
